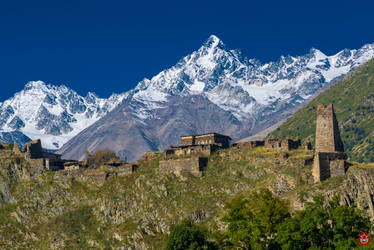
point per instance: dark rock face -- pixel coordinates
(16, 123)
(14, 136)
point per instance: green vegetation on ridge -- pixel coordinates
(353, 100)
(65, 210)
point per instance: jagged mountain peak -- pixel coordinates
(52, 113)
(250, 94)
(213, 42)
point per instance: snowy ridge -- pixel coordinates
(52, 113)
(249, 90)
(244, 86)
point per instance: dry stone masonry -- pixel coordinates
(329, 157)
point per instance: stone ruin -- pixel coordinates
(191, 156)
(203, 145)
(282, 144)
(33, 151)
(248, 144)
(329, 157)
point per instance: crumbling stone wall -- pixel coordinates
(205, 150)
(33, 149)
(193, 165)
(248, 144)
(282, 145)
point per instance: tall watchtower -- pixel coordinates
(329, 157)
(327, 130)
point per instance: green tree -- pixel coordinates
(253, 221)
(320, 225)
(188, 235)
(100, 157)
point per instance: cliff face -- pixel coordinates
(66, 210)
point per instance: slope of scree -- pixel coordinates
(353, 100)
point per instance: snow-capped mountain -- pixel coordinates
(244, 86)
(213, 89)
(52, 113)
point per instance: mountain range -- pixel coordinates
(353, 99)
(212, 89)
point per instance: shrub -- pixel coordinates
(100, 157)
(188, 235)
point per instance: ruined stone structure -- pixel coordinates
(222, 141)
(193, 165)
(199, 145)
(33, 149)
(180, 151)
(282, 145)
(34, 153)
(307, 145)
(329, 157)
(196, 148)
(126, 169)
(248, 144)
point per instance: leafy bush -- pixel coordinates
(262, 221)
(253, 221)
(188, 235)
(100, 157)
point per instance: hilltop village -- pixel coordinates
(192, 155)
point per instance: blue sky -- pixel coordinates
(109, 46)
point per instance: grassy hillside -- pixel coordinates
(62, 210)
(353, 99)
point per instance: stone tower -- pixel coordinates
(327, 130)
(329, 157)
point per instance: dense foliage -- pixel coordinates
(262, 221)
(188, 235)
(353, 99)
(253, 220)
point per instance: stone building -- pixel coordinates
(282, 144)
(222, 141)
(329, 157)
(248, 144)
(196, 148)
(33, 151)
(203, 145)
